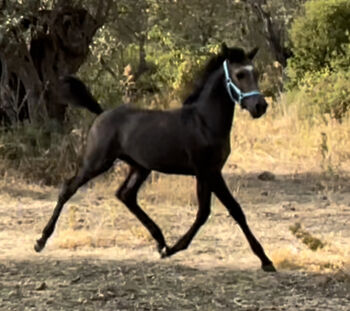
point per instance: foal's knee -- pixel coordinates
(202, 217)
(238, 216)
(125, 196)
(120, 195)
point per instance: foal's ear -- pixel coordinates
(252, 53)
(224, 48)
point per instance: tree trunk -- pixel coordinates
(274, 33)
(30, 73)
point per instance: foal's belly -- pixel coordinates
(164, 160)
(164, 143)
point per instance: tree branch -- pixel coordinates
(102, 11)
(108, 69)
(273, 33)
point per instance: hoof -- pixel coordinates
(164, 252)
(269, 267)
(39, 245)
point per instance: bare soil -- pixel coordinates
(101, 258)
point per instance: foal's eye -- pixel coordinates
(240, 75)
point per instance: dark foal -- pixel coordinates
(192, 140)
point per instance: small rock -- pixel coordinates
(264, 193)
(42, 286)
(289, 206)
(75, 280)
(267, 176)
(82, 300)
(325, 204)
(12, 294)
(321, 280)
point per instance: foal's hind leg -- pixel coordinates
(220, 189)
(69, 188)
(127, 193)
(204, 195)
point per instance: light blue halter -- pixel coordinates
(230, 86)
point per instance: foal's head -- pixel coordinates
(242, 80)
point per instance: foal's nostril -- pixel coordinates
(261, 108)
(262, 105)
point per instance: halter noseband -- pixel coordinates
(230, 86)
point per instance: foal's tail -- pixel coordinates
(75, 91)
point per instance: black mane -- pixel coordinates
(233, 54)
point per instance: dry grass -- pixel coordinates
(330, 259)
(282, 141)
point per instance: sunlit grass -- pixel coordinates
(281, 140)
(326, 260)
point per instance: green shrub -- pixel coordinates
(175, 69)
(320, 38)
(323, 93)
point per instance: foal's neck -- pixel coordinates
(215, 106)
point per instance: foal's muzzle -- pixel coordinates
(256, 105)
(261, 107)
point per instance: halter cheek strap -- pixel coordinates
(231, 87)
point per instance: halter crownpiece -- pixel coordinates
(230, 86)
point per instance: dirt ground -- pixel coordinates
(101, 258)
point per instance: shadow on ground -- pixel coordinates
(87, 284)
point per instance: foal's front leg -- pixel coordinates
(222, 192)
(204, 195)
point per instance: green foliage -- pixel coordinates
(322, 93)
(320, 65)
(320, 38)
(175, 69)
(178, 37)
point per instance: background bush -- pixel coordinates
(320, 39)
(319, 71)
(323, 93)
